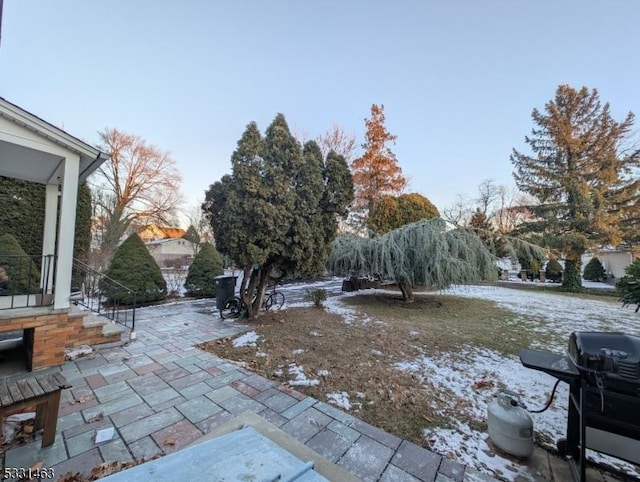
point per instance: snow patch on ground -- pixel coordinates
(301, 378)
(466, 382)
(334, 306)
(298, 351)
(248, 339)
(340, 399)
(561, 314)
(323, 373)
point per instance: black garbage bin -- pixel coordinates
(225, 289)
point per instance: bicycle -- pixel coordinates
(235, 308)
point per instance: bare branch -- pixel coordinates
(138, 182)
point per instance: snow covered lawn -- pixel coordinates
(475, 374)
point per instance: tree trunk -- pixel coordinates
(572, 277)
(407, 292)
(253, 295)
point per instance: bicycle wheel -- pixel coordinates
(275, 300)
(232, 309)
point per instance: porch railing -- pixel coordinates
(102, 295)
(26, 281)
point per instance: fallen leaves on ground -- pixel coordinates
(480, 384)
(103, 469)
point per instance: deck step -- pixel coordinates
(111, 332)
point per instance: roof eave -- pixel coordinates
(53, 133)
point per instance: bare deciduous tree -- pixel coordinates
(459, 213)
(139, 182)
(504, 207)
(339, 141)
(487, 195)
(196, 218)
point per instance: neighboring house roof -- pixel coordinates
(154, 232)
(38, 165)
(173, 232)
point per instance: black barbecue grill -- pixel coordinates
(603, 373)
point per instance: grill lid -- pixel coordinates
(606, 353)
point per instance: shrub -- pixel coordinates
(629, 285)
(594, 271)
(317, 295)
(133, 267)
(19, 272)
(553, 271)
(205, 267)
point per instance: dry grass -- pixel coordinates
(360, 356)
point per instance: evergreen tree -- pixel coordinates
(82, 239)
(23, 215)
(594, 271)
(424, 253)
(581, 176)
(390, 212)
(553, 270)
(192, 235)
(19, 273)
(376, 173)
(629, 285)
(277, 209)
(134, 268)
(205, 267)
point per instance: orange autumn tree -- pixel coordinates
(376, 173)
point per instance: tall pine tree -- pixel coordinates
(582, 177)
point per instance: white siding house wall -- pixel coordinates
(614, 261)
(169, 251)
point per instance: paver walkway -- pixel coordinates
(160, 394)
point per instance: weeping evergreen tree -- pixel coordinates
(424, 253)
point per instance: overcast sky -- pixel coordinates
(458, 79)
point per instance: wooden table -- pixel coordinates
(41, 391)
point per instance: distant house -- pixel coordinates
(153, 232)
(614, 260)
(172, 253)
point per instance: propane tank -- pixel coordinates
(510, 426)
